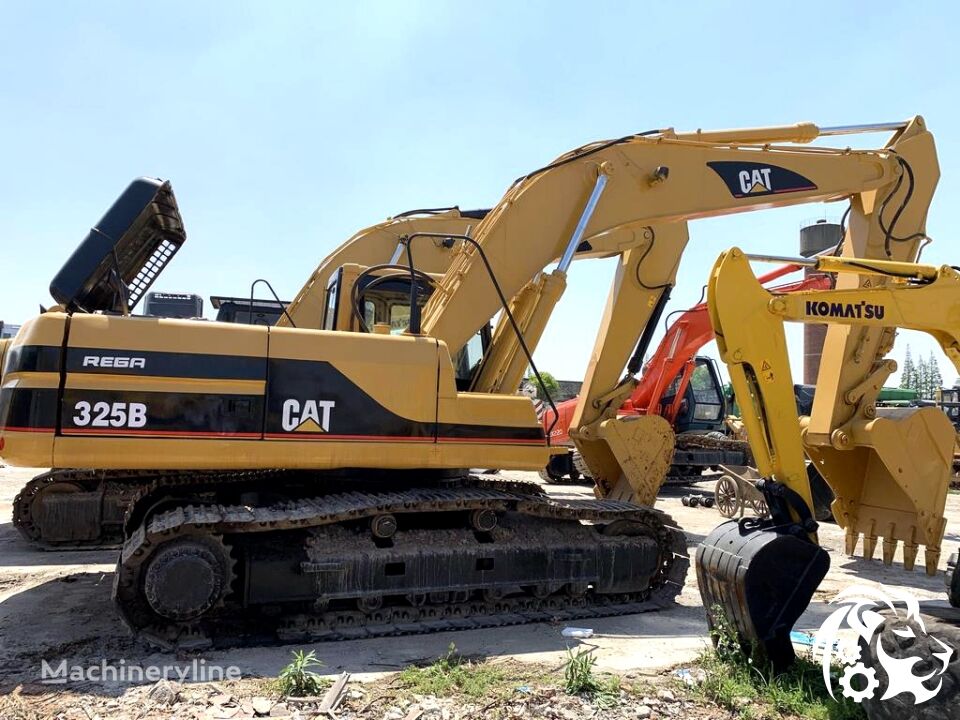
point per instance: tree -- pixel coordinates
(908, 378)
(935, 378)
(922, 383)
(549, 381)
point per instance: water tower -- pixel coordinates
(815, 238)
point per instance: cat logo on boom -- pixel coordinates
(751, 179)
(307, 415)
(755, 181)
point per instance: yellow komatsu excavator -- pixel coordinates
(890, 468)
(313, 483)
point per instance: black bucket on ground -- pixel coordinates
(762, 578)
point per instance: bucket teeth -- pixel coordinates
(889, 550)
(869, 546)
(851, 541)
(909, 556)
(931, 559)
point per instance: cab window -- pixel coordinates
(330, 310)
(708, 405)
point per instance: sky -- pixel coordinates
(285, 127)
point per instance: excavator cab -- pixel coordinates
(378, 299)
(374, 299)
(702, 407)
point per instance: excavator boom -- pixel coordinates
(627, 198)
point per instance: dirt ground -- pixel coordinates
(55, 605)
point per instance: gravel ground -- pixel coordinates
(55, 605)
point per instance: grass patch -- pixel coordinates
(753, 692)
(298, 678)
(579, 679)
(454, 675)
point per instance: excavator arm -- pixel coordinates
(630, 198)
(889, 468)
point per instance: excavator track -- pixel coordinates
(472, 553)
(697, 452)
(73, 509)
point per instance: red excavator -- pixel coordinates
(682, 387)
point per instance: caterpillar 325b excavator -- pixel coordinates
(71, 508)
(302, 483)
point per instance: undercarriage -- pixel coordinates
(251, 559)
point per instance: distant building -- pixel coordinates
(8, 331)
(815, 238)
(568, 389)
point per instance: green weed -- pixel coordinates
(454, 675)
(297, 679)
(737, 681)
(579, 679)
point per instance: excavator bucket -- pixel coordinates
(892, 484)
(634, 454)
(760, 580)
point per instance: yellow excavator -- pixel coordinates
(313, 483)
(890, 468)
(76, 508)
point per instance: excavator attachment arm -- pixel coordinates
(760, 575)
(889, 468)
(628, 457)
(684, 338)
(631, 198)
